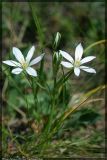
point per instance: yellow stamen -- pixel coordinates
(24, 65)
(77, 63)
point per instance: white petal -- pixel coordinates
(12, 63)
(87, 69)
(77, 71)
(78, 52)
(30, 54)
(36, 60)
(66, 56)
(31, 71)
(17, 70)
(87, 59)
(18, 54)
(66, 64)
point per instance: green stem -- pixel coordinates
(34, 94)
(63, 80)
(48, 127)
(56, 84)
(40, 75)
(94, 44)
(27, 105)
(64, 86)
(53, 99)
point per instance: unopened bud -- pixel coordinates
(57, 40)
(57, 56)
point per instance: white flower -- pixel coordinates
(77, 64)
(24, 64)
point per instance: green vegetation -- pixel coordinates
(50, 119)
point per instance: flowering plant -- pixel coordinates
(24, 65)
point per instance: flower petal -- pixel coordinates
(31, 71)
(36, 60)
(18, 54)
(78, 52)
(87, 59)
(66, 56)
(17, 70)
(77, 71)
(66, 64)
(12, 63)
(87, 69)
(30, 54)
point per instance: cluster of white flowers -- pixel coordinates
(24, 64)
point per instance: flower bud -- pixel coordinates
(57, 56)
(57, 40)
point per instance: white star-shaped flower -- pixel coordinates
(77, 64)
(24, 64)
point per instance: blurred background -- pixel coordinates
(77, 22)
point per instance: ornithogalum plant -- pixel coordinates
(24, 65)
